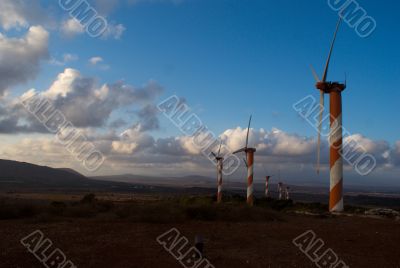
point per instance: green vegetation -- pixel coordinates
(166, 210)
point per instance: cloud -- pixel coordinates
(132, 140)
(358, 144)
(275, 142)
(21, 57)
(98, 61)
(395, 154)
(71, 27)
(117, 123)
(114, 31)
(66, 58)
(95, 60)
(148, 119)
(84, 103)
(132, 150)
(21, 14)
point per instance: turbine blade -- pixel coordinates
(321, 112)
(248, 131)
(314, 74)
(239, 151)
(245, 162)
(219, 150)
(214, 154)
(330, 51)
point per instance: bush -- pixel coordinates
(88, 199)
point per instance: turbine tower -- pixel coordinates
(220, 167)
(287, 193)
(249, 163)
(267, 194)
(280, 190)
(334, 89)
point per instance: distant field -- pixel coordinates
(117, 197)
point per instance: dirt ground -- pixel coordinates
(359, 242)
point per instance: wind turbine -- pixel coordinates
(287, 192)
(267, 194)
(334, 89)
(249, 161)
(280, 190)
(220, 166)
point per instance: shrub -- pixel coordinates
(88, 199)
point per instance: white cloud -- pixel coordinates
(21, 57)
(275, 142)
(66, 58)
(22, 14)
(359, 144)
(123, 147)
(395, 154)
(87, 104)
(114, 31)
(72, 27)
(95, 60)
(99, 63)
(12, 14)
(134, 149)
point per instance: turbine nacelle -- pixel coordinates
(328, 87)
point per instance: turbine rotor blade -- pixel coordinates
(314, 74)
(240, 150)
(245, 162)
(321, 112)
(330, 51)
(219, 150)
(248, 131)
(214, 154)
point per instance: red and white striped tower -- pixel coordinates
(287, 193)
(250, 167)
(220, 167)
(267, 186)
(250, 173)
(336, 141)
(334, 89)
(280, 190)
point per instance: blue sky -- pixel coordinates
(217, 54)
(230, 59)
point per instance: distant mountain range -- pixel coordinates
(20, 176)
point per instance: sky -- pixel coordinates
(224, 59)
